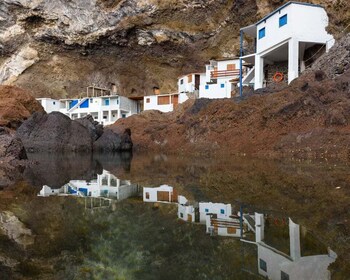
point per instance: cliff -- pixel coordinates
(56, 48)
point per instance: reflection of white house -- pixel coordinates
(163, 102)
(191, 83)
(106, 185)
(221, 79)
(229, 226)
(186, 212)
(285, 41)
(220, 209)
(164, 193)
(277, 265)
(105, 106)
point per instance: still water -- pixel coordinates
(167, 217)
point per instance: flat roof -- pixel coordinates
(285, 5)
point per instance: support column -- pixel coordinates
(293, 59)
(294, 240)
(259, 72)
(109, 115)
(259, 227)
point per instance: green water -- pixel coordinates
(77, 237)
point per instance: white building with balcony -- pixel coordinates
(285, 42)
(105, 106)
(221, 79)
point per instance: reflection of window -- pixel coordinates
(105, 181)
(283, 20)
(262, 33)
(147, 195)
(206, 210)
(222, 211)
(284, 276)
(113, 182)
(262, 265)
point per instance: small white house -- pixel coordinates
(164, 102)
(164, 193)
(274, 264)
(186, 212)
(221, 79)
(285, 42)
(105, 106)
(222, 210)
(191, 83)
(229, 226)
(105, 185)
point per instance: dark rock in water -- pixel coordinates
(10, 146)
(54, 132)
(95, 129)
(113, 142)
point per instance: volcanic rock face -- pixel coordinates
(55, 132)
(56, 48)
(16, 105)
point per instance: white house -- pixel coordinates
(275, 265)
(104, 105)
(224, 226)
(105, 185)
(164, 102)
(285, 42)
(164, 193)
(221, 79)
(186, 212)
(220, 209)
(191, 83)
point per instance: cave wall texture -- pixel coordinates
(57, 47)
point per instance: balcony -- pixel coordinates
(223, 73)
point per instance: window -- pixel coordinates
(147, 195)
(163, 100)
(104, 117)
(54, 103)
(189, 77)
(148, 100)
(231, 67)
(283, 20)
(206, 210)
(123, 116)
(222, 85)
(222, 211)
(91, 100)
(107, 102)
(181, 81)
(284, 276)
(181, 215)
(206, 86)
(262, 33)
(262, 265)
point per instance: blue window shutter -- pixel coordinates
(207, 87)
(107, 102)
(206, 210)
(262, 33)
(222, 85)
(283, 20)
(222, 211)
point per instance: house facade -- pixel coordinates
(164, 102)
(220, 209)
(221, 79)
(104, 106)
(164, 193)
(191, 83)
(285, 42)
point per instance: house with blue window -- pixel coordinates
(221, 79)
(283, 44)
(104, 105)
(222, 210)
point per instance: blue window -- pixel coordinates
(263, 265)
(222, 211)
(206, 210)
(54, 103)
(206, 86)
(107, 102)
(262, 33)
(222, 85)
(90, 100)
(283, 20)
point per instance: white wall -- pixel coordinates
(214, 208)
(49, 105)
(184, 211)
(153, 104)
(215, 90)
(153, 193)
(305, 23)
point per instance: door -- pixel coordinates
(197, 82)
(175, 100)
(163, 196)
(189, 218)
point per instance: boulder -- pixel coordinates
(111, 141)
(54, 132)
(95, 129)
(16, 105)
(11, 147)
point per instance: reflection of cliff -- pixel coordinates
(276, 264)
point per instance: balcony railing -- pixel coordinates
(224, 73)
